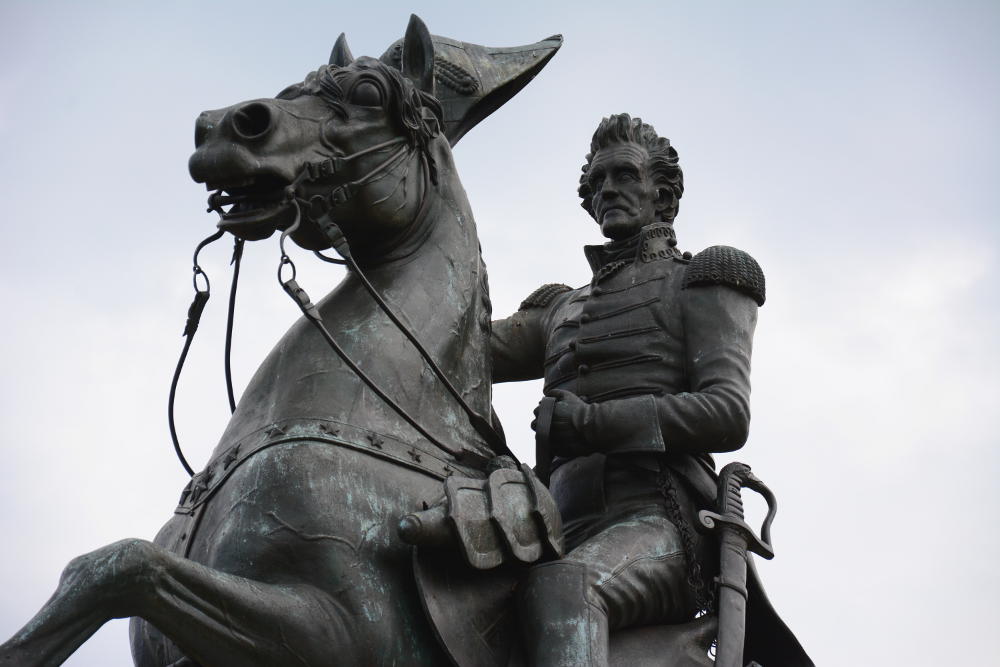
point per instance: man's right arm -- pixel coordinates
(518, 342)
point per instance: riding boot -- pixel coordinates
(563, 624)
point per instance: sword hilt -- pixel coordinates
(732, 479)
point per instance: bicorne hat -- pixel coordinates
(473, 81)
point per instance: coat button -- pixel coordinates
(572, 346)
(597, 291)
(583, 369)
(584, 318)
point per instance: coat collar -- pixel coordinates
(626, 250)
(600, 255)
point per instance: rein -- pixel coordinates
(339, 242)
(235, 261)
(319, 212)
(195, 311)
(312, 313)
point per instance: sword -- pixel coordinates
(736, 538)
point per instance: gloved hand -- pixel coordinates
(617, 426)
(567, 434)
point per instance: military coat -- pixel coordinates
(658, 345)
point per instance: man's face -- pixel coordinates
(624, 195)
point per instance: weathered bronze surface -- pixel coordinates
(368, 429)
(647, 372)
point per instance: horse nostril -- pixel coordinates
(252, 121)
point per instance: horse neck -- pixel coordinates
(437, 282)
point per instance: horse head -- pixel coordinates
(358, 141)
(342, 143)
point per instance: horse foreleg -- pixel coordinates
(213, 617)
(90, 588)
(217, 618)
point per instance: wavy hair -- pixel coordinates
(663, 163)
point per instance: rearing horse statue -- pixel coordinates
(284, 548)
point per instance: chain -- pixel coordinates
(704, 600)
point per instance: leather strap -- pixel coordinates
(543, 449)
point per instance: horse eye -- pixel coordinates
(366, 94)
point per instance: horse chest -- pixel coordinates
(302, 377)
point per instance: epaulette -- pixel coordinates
(543, 296)
(722, 265)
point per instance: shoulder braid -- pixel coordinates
(723, 265)
(543, 296)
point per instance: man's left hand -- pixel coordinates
(567, 433)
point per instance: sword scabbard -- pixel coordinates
(736, 538)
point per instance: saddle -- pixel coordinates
(473, 547)
(473, 616)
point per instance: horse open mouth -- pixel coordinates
(252, 211)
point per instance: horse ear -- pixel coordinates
(418, 55)
(341, 53)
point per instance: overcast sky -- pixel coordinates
(851, 147)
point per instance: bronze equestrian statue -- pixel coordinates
(369, 426)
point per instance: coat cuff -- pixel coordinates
(624, 426)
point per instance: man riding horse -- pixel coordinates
(649, 369)
(288, 546)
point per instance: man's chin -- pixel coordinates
(617, 228)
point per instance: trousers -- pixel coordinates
(631, 571)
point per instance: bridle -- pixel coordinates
(319, 209)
